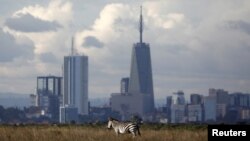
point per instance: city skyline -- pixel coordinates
(193, 49)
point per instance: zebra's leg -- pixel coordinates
(134, 134)
(117, 132)
(138, 130)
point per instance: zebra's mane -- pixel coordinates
(113, 119)
(117, 121)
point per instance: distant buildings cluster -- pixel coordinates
(218, 107)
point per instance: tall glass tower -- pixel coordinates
(75, 73)
(141, 81)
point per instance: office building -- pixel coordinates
(178, 98)
(169, 101)
(221, 95)
(141, 79)
(140, 96)
(68, 114)
(178, 108)
(222, 101)
(239, 100)
(195, 113)
(49, 95)
(210, 109)
(178, 113)
(124, 85)
(195, 99)
(33, 100)
(75, 72)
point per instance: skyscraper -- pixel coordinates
(178, 107)
(210, 108)
(141, 80)
(222, 101)
(195, 99)
(75, 73)
(178, 98)
(139, 100)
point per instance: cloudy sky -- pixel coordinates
(195, 44)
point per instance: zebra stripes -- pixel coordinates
(122, 127)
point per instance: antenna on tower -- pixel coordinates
(141, 25)
(72, 46)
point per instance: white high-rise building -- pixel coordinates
(75, 73)
(178, 108)
(178, 98)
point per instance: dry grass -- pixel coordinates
(87, 133)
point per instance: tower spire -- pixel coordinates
(72, 46)
(141, 25)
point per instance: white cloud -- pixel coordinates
(28, 23)
(107, 29)
(57, 10)
(49, 47)
(12, 48)
(91, 41)
(104, 27)
(57, 41)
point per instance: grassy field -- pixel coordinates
(100, 133)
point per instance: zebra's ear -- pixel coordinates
(110, 118)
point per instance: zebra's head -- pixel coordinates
(110, 123)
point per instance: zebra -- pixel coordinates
(124, 127)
